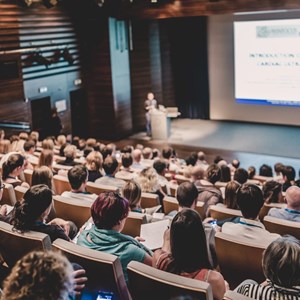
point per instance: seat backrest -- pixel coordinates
(180, 178)
(170, 204)
(282, 227)
(28, 175)
(14, 245)
(266, 207)
(173, 189)
(238, 259)
(20, 191)
(147, 283)
(8, 196)
(103, 270)
(221, 213)
(96, 188)
(200, 209)
(58, 167)
(133, 224)
(76, 210)
(61, 184)
(149, 200)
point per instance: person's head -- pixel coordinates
(127, 149)
(148, 180)
(61, 140)
(34, 135)
(106, 151)
(40, 275)
(132, 192)
(251, 172)
(188, 242)
(272, 192)
(147, 153)
(265, 170)
(4, 146)
(13, 166)
(167, 152)
(70, 151)
(292, 197)
(110, 165)
(35, 206)
(278, 167)
(160, 166)
(109, 211)
(42, 175)
(23, 136)
(150, 96)
(87, 151)
(191, 160)
(250, 200)
(218, 158)
(201, 156)
(91, 142)
(94, 161)
(197, 173)
(48, 144)
(29, 146)
(187, 194)
(240, 175)
(137, 155)
(235, 163)
(289, 173)
(213, 173)
(126, 160)
(230, 194)
(46, 158)
(281, 262)
(225, 173)
(77, 176)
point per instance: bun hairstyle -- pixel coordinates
(14, 161)
(36, 201)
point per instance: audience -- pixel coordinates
(126, 171)
(70, 155)
(272, 192)
(93, 164)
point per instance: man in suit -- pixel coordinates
(150, 103)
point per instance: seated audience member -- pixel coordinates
(78, 176)
(61, 140)
(208, 193)
(250, 201)
(147, 157)
(168, 154)
(281, 265)
(4, 146)
(201, 162)
(42, 175)
(29, 148)
(235, 164)
(156, 154)
(266, 171)
(94, 162)
(185, 253)
(48, 144)
(31, 214)
(272, 192)
(137, 165)
(160, 167)
(289, 174)
(40, 275)
(34, 135)
(12, 168)
(149, 182)
(127, 149)
(70, 155)
(225, 173)
(197, 173)
(106, 151)
(240, 175)
(251, 172)
(278, 167)
(230, 195)
(292, 211)
(46, 159)
(111, 167)
(126, 172)
(109, 213)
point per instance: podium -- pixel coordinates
(161, 123)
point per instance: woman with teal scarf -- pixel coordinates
(109, 212)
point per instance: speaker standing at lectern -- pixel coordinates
(150, 103)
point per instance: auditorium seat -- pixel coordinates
(149, 200)
(28, 175)
(20, 191)
(133, 224)
(282, 227)
(148, 283)
(8, 196)
(221, 213)
(238, 259)
(14, 245)
(180, 179)
(103, 270)
(266, 207)
(61, 184)
(170, 204)
(58, 167)
(97, 188)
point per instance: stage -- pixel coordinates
(253, 144)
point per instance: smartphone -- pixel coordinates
(213, 223)
(105, 296)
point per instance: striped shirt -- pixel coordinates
(269, 292)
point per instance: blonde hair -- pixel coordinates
(132, 192)
(61, 140)
(94, 160)
(40, 275)
(48, 144)
(148, 180)
(70, 151)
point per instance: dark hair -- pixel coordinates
(167, 152)
(109, 209)
(225, 173)
(87, 151)
(188, 243)
(240, 175)
(110, 165)
(14, 161)
(289, 172)
(191, 160)
(230, 194)
(159, 165)
(235, 163)
(28, 145)
(278, 167)
(250, 200)
(126, 160)
(77, 176)
(213, 173)
(218, 158)
(265, 170)
(281, 262)
(35, 202)
(251, 172)
(187, 194)
(42, 175)
(106, 152)
(271, 191)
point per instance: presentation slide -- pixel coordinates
(267, 62)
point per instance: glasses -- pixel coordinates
(2, 186)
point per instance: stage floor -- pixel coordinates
(254, 144)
